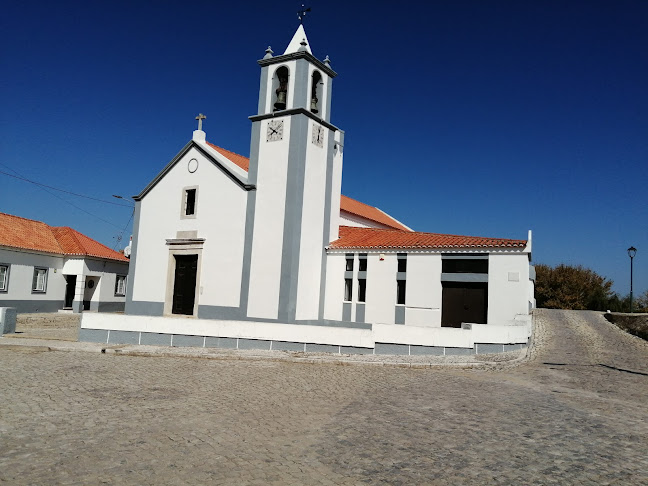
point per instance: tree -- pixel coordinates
(641, 304)
(569, 287)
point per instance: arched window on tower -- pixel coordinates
(280, 86)
(316, 92)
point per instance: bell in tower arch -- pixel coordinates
(315, 86)
(282, 89)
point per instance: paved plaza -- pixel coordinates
(574, 412)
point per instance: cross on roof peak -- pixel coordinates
(200, 118)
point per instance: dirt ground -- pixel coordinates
(61, 326)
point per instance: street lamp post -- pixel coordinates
(632, 251)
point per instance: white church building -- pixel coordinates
(265, 252)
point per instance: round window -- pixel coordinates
(90, 284)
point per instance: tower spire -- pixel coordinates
(296, 42)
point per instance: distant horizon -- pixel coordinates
(467, 118)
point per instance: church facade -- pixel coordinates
(267, 253)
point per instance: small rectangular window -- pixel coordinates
(362, 289)
(348, 289)
(362, 262)
(349, 263)
(4, 278)
(39, 282)
(190, 202)
(120, 286)
(400, 292)
(464, 266)
(402, 262)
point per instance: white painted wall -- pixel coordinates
(336, 186)
(21, 273)
(348, 219)
(508, 287)
(267, 241)
(220, 220)
(423, 290)
(74, 266)
(381, 288)
(384, 333)
(312, 229)
(105, 273)
(335, 263)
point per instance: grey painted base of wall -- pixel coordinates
(34, 306)
(111, 306)
(31, 306)
(182, 340)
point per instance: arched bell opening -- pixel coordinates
(316, 92)
(280, 87)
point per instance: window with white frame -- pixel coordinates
(189, 202)
(348, 289)
(401, 278)
(4, 277)
(120, 286)
(39, 282)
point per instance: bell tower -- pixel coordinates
(296, 166)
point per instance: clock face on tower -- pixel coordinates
(275, 130)
(318, 135)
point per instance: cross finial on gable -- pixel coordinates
(200, 118)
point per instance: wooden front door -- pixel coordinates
(184, 288)
(464, 302)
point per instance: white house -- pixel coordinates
(45, 269)
(266, 253)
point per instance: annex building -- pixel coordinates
(46, 269)
(267, 253)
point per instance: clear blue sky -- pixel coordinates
(484, 118)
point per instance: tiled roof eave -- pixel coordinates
(30, 250)
(471, 248)
(101, 257)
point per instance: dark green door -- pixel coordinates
(464, 302)
(184, 288)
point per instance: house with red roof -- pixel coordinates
(47, 269)
(265, 252)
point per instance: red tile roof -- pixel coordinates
(242, 162)
(373, 238)
(74, 243)
(28, 234)
(346, 203)
(369, 212)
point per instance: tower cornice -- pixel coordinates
(298, 55)
(294, 111)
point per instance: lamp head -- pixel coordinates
(632, 251)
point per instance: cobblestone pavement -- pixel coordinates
(573, 413)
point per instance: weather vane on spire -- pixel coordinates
(302, 13)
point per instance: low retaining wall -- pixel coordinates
(380, 339)
(7, 320)
(636, 324)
